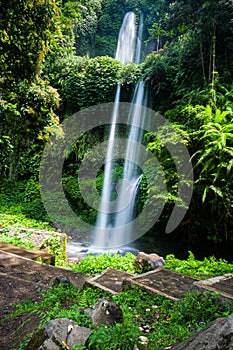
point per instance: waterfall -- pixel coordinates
(112, 229)
(132, 175)
(139, 40)
(126, 40)
(105, 201)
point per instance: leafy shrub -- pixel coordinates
(33, 206)
(27, 116)
(95, 84)
(96, 264)
(56, 244)
(209, 267)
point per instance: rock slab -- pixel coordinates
(218, 335)
(59, 334)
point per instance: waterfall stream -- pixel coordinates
(113, 227)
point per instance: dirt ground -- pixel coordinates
(21, 279)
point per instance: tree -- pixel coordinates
(79, 19)
(27, 103)
(205, 27)
(26, 28)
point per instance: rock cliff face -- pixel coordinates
(218, 335)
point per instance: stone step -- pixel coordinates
(21, 278)
(172, 285)
(220, 284)
(110, 280)
(28, 253)
(162, 281)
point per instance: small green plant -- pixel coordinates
(17, 239)
(98, 263)
(209, 267)
(56, 244)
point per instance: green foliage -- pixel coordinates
(75, 197)
(26, 31)
(95, 84)
(188, 310)
(111, 338)
(83, 82)
(15, 211)
(56, 244)
(213, 165)
(195, 49)
(79, 21)
(62, 300)
(27, 120)
(33, 207)
(60, 64)
(209, 267)
(27, 103)
(97, 264)
(159, 143)
(16, 238)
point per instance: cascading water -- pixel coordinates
(126, 39)
(125, 212)
(111, 229)
(125, 54)
(139, 40)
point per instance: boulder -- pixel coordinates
(146, 262)
(218, 335)
(60, 280)
(105, 312)
(49, 344)
(58, 334)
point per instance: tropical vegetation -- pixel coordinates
(57, 58)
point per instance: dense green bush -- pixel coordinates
(33, 206)
(94, 84)
(209, 267)
(97, 264)
(27, 120)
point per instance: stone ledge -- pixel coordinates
(219, 284)
(172, 285)
(28, 253)
(110, 280)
